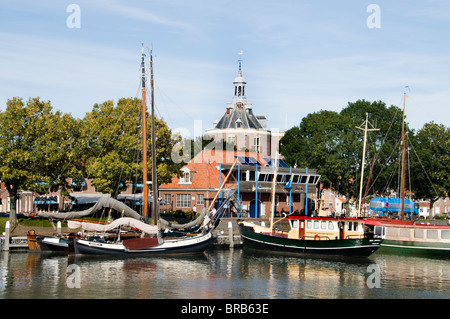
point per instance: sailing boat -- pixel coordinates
(151, 241)
(408, 236)
(310, 235)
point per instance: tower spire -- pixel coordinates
(239, 81)
(240, 61)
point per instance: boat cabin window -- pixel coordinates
(330, 225)
(295, 224)
(379, 231)
(323, 225)
(316, 224)
(432, 233)
(308, 224)
(445, 234)
(352, 226)
(419, 233)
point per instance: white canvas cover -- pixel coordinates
(125, 221)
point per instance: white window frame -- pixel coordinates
(202, 201)
(183, 200)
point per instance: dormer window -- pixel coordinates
(185, 176)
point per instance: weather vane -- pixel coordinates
(240, 59)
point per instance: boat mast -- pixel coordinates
(403, 157)
(144, 138)
(366, 129)
(154, 176)
(273, 191)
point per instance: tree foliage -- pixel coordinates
(431, 161)
(38, 147)
(42, 149)
(332, 143)
(114, 140)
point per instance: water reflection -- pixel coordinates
(234, 273)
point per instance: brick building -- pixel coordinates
(251, 180)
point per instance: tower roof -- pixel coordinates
(239, 113)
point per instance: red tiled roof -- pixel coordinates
(204, 169)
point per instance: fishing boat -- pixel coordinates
(313, 235)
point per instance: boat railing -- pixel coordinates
(355, 236)
(316, 237)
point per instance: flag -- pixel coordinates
(288, 184)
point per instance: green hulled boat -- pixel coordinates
(311, 235)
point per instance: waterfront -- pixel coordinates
(223, 274)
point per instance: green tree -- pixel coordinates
(320, 141)
(114, 146)
(383, 145)
(37, 147)
(331, 143)
(431, 163)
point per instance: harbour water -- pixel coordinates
(223, 274)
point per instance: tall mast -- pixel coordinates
(154, 176)
(366, 129)
(144, 137)
(275, 170)
(403, 157)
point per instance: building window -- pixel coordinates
(256, 142)
(185, 176)
(167, 199)
(183, 200)
(200, 199)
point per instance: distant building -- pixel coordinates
(240, 127)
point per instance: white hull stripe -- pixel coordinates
(310, 248)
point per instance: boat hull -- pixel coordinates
(192, 245)
(53, 244)
(415, 248)
(350, 247)
(412, 238)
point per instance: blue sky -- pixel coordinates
(299, 56)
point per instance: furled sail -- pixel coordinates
(103, 202)
(118, 223)
(198, 221)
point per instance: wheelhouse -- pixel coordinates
(314, 228)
